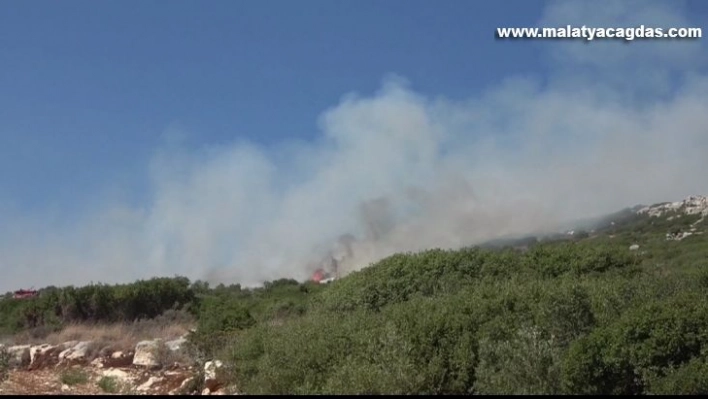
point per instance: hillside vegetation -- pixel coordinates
(581, 314)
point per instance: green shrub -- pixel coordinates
(73, 377)
(644, 342)
(54, 307)
(687, 379)
(566, 313)
(109, 385)
(529, 363)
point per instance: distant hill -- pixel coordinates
(672, 220)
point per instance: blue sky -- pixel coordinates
(222, 139)
(89, 88)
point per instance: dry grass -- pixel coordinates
(108, 338)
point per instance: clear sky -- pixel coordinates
(87, 89)
(153, 135)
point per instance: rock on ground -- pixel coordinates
(145, 353)
(176, 344)
(78, 351)
(213, 379)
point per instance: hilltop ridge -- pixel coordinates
(692, 205)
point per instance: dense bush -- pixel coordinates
(96, 303)
(578, 317)
(395, 351)
(641, 346)
(527, 363)
(572, 316)
(690, 378)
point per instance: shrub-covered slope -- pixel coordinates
(617, 308)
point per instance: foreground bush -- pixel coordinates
(395, 351)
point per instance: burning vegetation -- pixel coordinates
(329, 268)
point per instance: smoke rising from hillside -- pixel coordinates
(399, 171)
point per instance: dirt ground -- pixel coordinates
(131, 381)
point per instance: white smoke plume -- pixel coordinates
(615, 125)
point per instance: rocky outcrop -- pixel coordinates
(118, 359)
(213, 375)
(680, 235)
(75, 351)
(693, 205)
(145, 386)
(44, 355)
(130, 372)
(19, 355)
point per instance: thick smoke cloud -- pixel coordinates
(399, 171)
